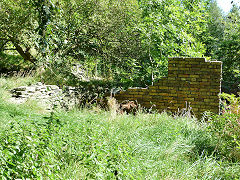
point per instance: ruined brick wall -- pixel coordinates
(194, 81)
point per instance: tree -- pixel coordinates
(170, 28)
(229, 51)
(24, 26)
(215, 29)
(101, 34)
(222, 43)
(17, 26)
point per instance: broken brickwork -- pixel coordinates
(192, 81)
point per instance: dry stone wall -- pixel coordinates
(49, 95)
(37, 91)
(192, 81)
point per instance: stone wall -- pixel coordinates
(192, 81)
(49, 95)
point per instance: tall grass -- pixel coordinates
(18, 79)
(86, 145)
(95, 144)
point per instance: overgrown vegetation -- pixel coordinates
(80, 145)
(95, 144)
(98, 45)
(227, 126)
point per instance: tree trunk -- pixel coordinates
(25, 54)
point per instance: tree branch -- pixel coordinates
(11, 49)
(4, 43)
(5, 39)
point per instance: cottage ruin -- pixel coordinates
(192, 81)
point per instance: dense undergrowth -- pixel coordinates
(95, 144)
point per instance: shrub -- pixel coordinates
(231, 103)
(226, 127)
(11, 63)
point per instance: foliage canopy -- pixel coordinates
(125, 40)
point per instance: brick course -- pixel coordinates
(194, 81)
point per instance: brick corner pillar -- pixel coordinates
(197, 83)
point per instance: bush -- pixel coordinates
(231, 103)
(10, 63)
(226, 127)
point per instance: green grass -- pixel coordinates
(94, 144)
(86, 144)
(19, 79)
